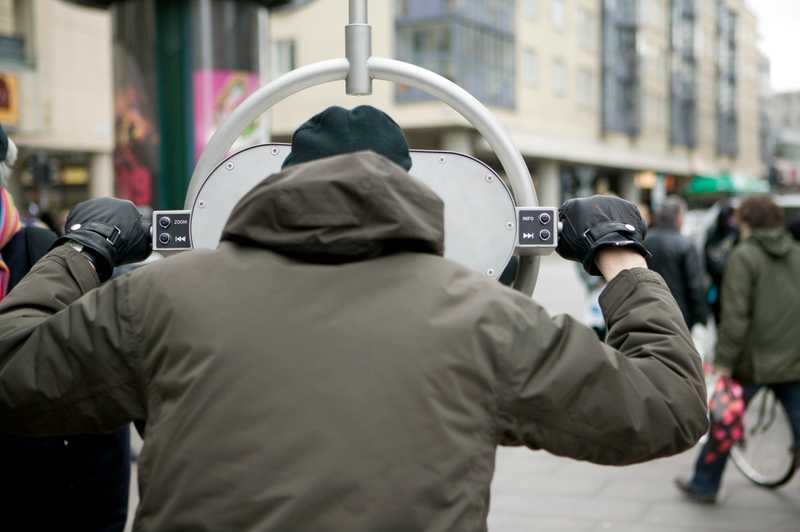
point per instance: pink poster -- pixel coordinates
(216, 95)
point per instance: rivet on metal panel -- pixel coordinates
(229, 166)
(441, 160)
(275, 150)
(201, 204)
(509, 225)
(489, 178)
(490, 272)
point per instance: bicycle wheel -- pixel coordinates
(766, 456)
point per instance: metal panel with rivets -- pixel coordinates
(480, 215)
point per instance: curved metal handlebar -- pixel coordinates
(254, 106)
(388, 70)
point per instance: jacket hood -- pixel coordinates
(775, 242)
(340, 209)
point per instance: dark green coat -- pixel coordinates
(759, 337)
(325, 369)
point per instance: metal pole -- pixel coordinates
(358, 12)
(358, 49)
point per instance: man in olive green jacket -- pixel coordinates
(759, 341)
(326, 369)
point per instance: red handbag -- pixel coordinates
(726, 409)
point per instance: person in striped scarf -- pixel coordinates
(80, 481)
(10, 221)
(10, 225)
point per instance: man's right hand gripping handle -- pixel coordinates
(592, 224)
(640, 395)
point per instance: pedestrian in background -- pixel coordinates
(674, 257)
(759, 341)
(53, 483)
(720, 241)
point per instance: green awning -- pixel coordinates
(726, 184)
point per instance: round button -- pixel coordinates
(164, 238)
(544, 218)
(164, 222)
(544, 234)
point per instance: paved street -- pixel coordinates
(535, 491)
(538, 491)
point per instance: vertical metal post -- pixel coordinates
(358, 12)
(358, 49)
(264, 67)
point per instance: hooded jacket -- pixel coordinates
(326, 369)
(758, 338)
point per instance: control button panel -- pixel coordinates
(537, 230)
(171, 230)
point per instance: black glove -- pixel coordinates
(590, 224)
(111, 230)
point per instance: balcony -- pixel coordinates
(466, 41)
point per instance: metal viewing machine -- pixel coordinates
(486, 222)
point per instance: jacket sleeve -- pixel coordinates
(639, 397)
(68, 361)
(696, 286)
(737, 295)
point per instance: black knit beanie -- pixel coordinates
(336, 131)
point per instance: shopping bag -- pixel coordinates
(726, 412)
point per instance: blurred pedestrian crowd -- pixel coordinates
(745, 276)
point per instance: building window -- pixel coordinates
(558, 13)
(530, 67)
(559, 78)
(16, 32)
(683, 73)
(727, 117)
(470, 42)
(586, 29)
(621, 91)
(529, 8)
(283, 58)
(585, 87)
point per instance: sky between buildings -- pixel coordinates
(779, 27)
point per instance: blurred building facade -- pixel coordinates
(56, 99)
(600, 95)
(784, 119)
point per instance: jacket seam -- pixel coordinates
(505, 394)
(133, 340)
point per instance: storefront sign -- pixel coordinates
(9, 99)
